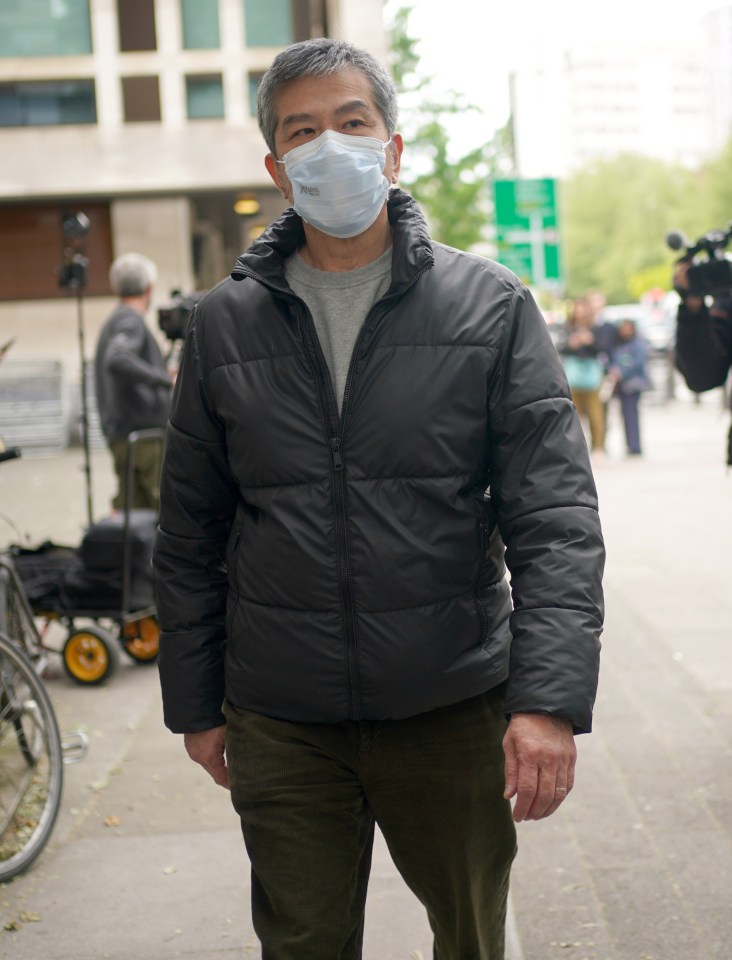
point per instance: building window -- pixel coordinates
(200, 20)
(32, 234)
(253, 81)
(136, 19)
(39, 103)
(276, 22)
(59, 30)
(141, 98)
(205, 96)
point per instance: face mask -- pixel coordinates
(338, 182)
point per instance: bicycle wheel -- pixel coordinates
(31, 762)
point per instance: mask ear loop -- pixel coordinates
(395, 157)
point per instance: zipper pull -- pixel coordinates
(335, 449)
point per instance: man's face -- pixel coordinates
(342, 102)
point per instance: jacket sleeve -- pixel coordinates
(197, 504)
(123, 354)
(546, 503)
(703, 348)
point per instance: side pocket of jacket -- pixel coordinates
(479, 604)
(233, 583)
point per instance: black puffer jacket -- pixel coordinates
(322, 568)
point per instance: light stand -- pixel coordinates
(73, 276)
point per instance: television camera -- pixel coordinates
(174, 315)
(710, 269)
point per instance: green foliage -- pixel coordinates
(718, 183)
(404, 57)
(616, 214)
(453, 191)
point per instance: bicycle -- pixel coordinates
(32, 750)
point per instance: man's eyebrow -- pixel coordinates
(353, 105)
(348, 107)
(297, 118)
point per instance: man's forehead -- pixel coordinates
(340, 92)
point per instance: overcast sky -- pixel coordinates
(471, 45)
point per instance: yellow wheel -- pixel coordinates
(141, 639)
(90, 655)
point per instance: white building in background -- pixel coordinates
(140, 114)
(597, 102)
(717, 28)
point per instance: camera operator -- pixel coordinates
(703, 335)
(132, 381)
(703, 338)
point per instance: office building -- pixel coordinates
(717, 29)
(597, 102)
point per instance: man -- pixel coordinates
(703, 339)
(328, 562)
(132, 383)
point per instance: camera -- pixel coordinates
(712, 275)
(72, 274)
(174, 315)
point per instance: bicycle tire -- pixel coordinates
(31, 762)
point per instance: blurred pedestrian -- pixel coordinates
(627, 370)
(583, 365)
(133, 385)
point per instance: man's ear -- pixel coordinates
(396, 146)
(276, 172)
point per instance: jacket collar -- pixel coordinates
(264, 260)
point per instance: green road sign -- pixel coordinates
(527, 230)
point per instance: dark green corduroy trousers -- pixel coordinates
(145, 491)
(308, 796)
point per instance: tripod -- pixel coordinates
(73, 276)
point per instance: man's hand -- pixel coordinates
(207, 748)
(540, 760)
(681, 284)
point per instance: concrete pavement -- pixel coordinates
(147, 861)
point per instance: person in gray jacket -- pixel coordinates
(132, 381)
(364, 423)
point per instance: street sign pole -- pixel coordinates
(538, 259)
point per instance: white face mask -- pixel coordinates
(338, 182)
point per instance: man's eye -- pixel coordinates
(352, 124)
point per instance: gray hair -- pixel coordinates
(131, 274)
(319, 58)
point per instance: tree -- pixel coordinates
(616, 214)
(453, 191)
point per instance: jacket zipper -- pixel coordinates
(336, 442)
(335, 426)
(330, 410)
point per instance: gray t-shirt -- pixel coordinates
(339, 303)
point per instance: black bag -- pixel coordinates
(96, 582)
(42, 571)
(102, 547)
